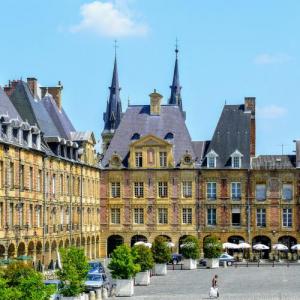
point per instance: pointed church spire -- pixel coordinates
(175, 97)
(112, 117)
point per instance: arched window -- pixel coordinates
(135, 136)
(169, 136)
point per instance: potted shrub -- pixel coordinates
(123, 268)
(191, 252)
(73, 274)
(161, 255)
(212, 251)
(143, 257)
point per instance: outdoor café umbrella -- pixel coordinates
(296, 247)
(149, 245)
(260, 247)
(139, 243)
(230, 246)
(280, 247)
(244, 245)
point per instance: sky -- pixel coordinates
(228, 50)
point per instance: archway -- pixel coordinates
(47, 254)
(21, 249)
(78, 242)
(73, 242)
(138, 238)
(11, 251)
(262, 239)
(180, 242)
(287, 240)
(30, 251)
(67, 243)
(2, 251)
(61, 244)
(113, 242)
(97, 247)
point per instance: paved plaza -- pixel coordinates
(267, 282)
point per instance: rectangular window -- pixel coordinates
(11, 214)
(162, 216)
(211, 190)
(139, 216)
(287, 192)
(11, 175)
(236, 162)
(211, 216)
(211, 162)
(187, 216)
(261, 217)
(261, 192)
(163, 159)
(68, 185)
(236, 217)
(1, 214)
(38, 215)
(39, 181)
(139, 189)
(21, 177)
(61, 184)
(115, 216)
(1, 174)
(115, 190)
(53, 184)
(163, 189)
(138, 159)
(30, 215)
(187, 189)
(62, 215)
(236, 191)
(287, 217)
(30, 178)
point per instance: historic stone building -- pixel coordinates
(49, 178)
(157, 181)
(150, 179)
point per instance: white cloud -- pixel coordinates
(268, 59)
(109, 19)
(271, 112)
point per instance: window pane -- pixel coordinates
(287, 192)
(261, 192)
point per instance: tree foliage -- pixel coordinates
(20, 281)
(123, 263)
(160, 250)
(74, 271)
(144, 257)
(212, 247)
(190, 247)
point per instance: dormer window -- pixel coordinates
(25, 136)
(236, 159)
(15, 133)
(169, 136)
(136, 136)
(212, 159)
(115, 160)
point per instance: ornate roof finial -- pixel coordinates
(176, 48)
(116, 46)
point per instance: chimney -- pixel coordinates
(250, 107)
(9, 89)
(33, 85)
(155, 99)
(55, 92)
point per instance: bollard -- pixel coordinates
(225, 264)
(104, 293)
(98, 294)
(92, 295)
(86, 296)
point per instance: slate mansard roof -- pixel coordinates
(7, 108)
(33, 110)
(137, 119)
(232, 133)
(273, 162)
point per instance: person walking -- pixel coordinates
(214, 292)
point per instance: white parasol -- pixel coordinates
(149, 245)
(139, 243)
(296, 247)
(230, 246)
(280, 247)
(244, 245)
(260, 247)
(170, 244)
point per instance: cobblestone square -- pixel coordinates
(265, 282)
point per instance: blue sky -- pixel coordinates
(228, 50)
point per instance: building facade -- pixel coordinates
(150, 178)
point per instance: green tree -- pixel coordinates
(144, 257)
(74, 271)
(24, 283)
(212, 247)
(160, 250)
(190, 247)
(122, 263)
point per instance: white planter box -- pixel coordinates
(190, 264)
(142, 278)
(124, 287)
(212, 263)
(160, 269)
